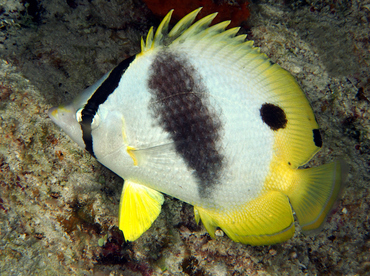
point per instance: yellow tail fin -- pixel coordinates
(316, 192)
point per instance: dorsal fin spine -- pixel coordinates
(187, 31)
(218, 28)
(196, 28)
(149, 40)
(142, 44)
(241, 38)
(162, 31)
(183, 24)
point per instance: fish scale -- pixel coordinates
(201, 115)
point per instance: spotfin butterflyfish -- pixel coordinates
(201, 115)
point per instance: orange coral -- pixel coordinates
(237, 13)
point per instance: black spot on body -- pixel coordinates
(273, 116)
(180, 104)
(317, 138)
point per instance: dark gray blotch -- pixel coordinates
(181, 106)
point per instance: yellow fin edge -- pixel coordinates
(186, 29)
(316, 192)
(265, 220)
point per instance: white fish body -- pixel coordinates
(203, 116)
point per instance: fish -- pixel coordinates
(201, 115)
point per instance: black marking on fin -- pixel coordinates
(100, 96)
(273, 116)
(180, 105)
(317, 138)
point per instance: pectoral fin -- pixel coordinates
(139, 207)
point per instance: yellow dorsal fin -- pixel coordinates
(197, 27)
(183, 24)
(217, 28)
(162, 30)
(162, 35)
(185, 29)
(149, 40)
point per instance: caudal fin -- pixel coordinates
(267, 219)
(317, 191)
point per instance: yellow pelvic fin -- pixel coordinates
(315, 192)
(265, 220)
(139, 207)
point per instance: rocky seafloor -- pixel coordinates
(59, 206)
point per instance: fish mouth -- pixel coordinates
(65, 118)
(61, 113)
(52, 113)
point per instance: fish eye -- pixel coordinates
(95, 122)
(79, 115)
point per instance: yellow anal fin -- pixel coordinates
(139, 207)
(265, 220)
(316, 192)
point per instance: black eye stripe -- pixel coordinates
(100, 96)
